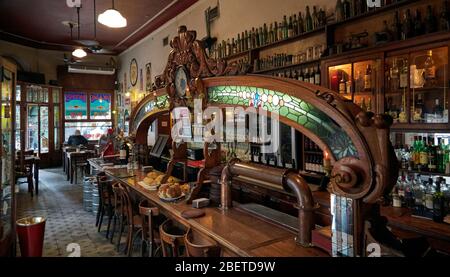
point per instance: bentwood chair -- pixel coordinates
(200, 247)
(132, 221)
(172, 238)
(106, 205)
(150, 237)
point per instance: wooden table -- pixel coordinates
(237, 232)
(70, 157)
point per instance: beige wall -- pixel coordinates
(43, 61)
(235, 16)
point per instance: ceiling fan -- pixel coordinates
(93, 45)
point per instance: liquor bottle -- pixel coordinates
(401, 189)
(396, 26)
(394, 75)
(419, 109)
(275, 32)
(404, 75)
(308, 21)
(315, 18)
(369, 105)
(438, 112)
(285, 28)
(295, 77)
(348, 86)
(429, 193)
(312, 76)
(407, 25)
(363, 105)
(301, 76)
(444, 19)
(290, 75)
(265, 35)
(124, 153)
(306, 76)
(430, 21)
(418, 192)
(317, 76)
(280, 31)
(440, 151)
(430, 70)
(424, 155)
(339, 11)
(290, 28)
(438, 202)
(368, 79)
(246, 41)
(347, 9)
(342, 85)
(239, 44)
(295, 25)
(233, 47)
(301, 24)
(432, 162)
(418, 25)
(415, 156)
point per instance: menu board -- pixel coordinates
(75, 105)
(100, 106)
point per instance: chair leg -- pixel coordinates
(121, 226)
(113, 228)
(98, 215)
(110, 215)
(102, 211)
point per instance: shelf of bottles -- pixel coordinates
(424, 178)
(290, 28)
(313, 157)
(417, 87)
(357, 82)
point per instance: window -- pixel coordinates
(75, 106)
(90, 130)
(100, 106)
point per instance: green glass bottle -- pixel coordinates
(290, 28)
(295, 25)
(440, 151)
(432, 162)
(301, 24)
(423, 155)
(308, 19)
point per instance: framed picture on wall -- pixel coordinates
(134, 72)
(148, 77)
(141, 80)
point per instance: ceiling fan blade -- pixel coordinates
(87, 43)
(103, 51)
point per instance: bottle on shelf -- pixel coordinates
(312, 76)
(438, 202)
(339, 11)
(342, 85)
(346, 7)
(444, 19)
(438, 112)
(317, 76)
(396, 26)
(430, 21)
(368, 79)
(301, 24)
(432, 162)
(407, 25)
(301, 76)
(290, 28)
(418, 25)
(308, 20)
(423, 166)
(430, 70)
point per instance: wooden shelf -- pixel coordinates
(424, 173)
(385, 9)
(286, 66)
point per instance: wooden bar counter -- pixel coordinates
(238, 233)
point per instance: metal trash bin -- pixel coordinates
(30, 231)
(87, 193)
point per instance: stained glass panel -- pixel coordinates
(162, 102)
(290, 107)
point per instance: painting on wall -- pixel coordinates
(148, 77)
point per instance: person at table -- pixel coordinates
(77, 139)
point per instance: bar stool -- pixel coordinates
(172, 238)
(200, 247)
(128, 218)
(149, 238)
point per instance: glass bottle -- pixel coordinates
(418, 25)
(317, 76)
(285, 28)
(444, 20)
(407, 25)
(342, 85)
(339, 11)
(430, 70)
(301, 24)
(430, 21)
(368, 79)
(308, 19)
(290, 28)
(346, 7)
(424, 155)
(396, 26)
(432, 163)
(394, 75)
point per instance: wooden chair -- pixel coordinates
(79, 161)
(200, 247)
(25, 171)
(106, 205)
(127, 218)
(149, 238)
(172, 238)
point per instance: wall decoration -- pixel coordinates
(148, 77)
(134, 71)
(75, 104)
(125, 81)
(141, 80)
(100, 106)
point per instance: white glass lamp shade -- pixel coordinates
(112, 18)
(79, 53)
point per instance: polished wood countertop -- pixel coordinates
(239, 233)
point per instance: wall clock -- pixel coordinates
(181, 82)
(134, 73)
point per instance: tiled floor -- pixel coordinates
(67, 222)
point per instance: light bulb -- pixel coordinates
(112, 18)
(79, 53)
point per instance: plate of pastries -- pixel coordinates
(173, 191)
(153, 180)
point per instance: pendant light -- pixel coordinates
(79, 52)
(112, 18)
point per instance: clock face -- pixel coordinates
(181, 82)
(133, 72)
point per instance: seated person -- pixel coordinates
(77, 139)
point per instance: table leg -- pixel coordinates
(36, 176)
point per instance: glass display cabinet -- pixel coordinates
(7, 156)
(416, 89)
(356, 81)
